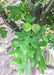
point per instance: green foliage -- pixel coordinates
(42, 64)
(28, 18)
(28, 46)
(31, 37)
(37, 2)
(17, 12)
(20, 12)
(50, 22)
(3, 32)
(1, 9)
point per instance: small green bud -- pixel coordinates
(27, 27)
(36, 27)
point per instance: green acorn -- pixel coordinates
(35, 27)
(27, 27)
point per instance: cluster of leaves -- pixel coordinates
(28, 46)
(50, 22)
(20, 12)
(3, 32)
(1, 9)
